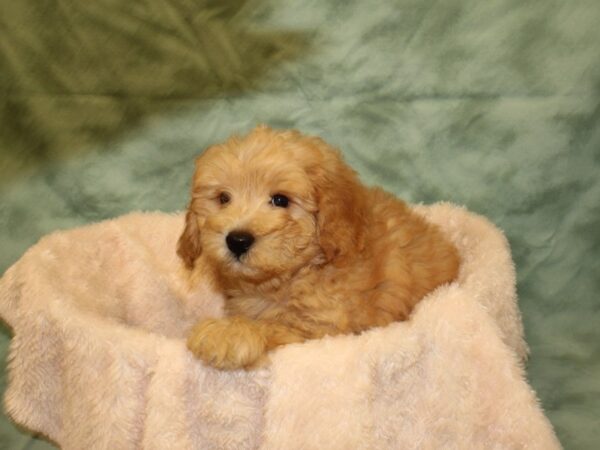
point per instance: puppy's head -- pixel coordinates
(270, 203)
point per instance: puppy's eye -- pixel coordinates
(280, 200)
(224, 198)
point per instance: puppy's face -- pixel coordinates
(260, 205)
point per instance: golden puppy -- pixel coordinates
(300, 248)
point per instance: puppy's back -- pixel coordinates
(414, 255)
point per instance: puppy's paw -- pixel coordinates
(228, 343)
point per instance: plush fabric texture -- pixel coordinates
(490, 104)
(98, 358)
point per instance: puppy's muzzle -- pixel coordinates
(239, 242)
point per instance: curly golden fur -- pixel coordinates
(332, 256)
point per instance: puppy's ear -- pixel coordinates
(341, 205)
(188, 246)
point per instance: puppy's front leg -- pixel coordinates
(238, 342)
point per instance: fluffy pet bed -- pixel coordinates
(98, 357)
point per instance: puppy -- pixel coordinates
(300, 248)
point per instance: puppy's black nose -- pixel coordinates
(239, 242)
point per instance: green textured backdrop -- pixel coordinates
(492, 104)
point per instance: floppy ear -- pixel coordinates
(188, 246)
(341, 205)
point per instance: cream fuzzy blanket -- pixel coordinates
(98, 359)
